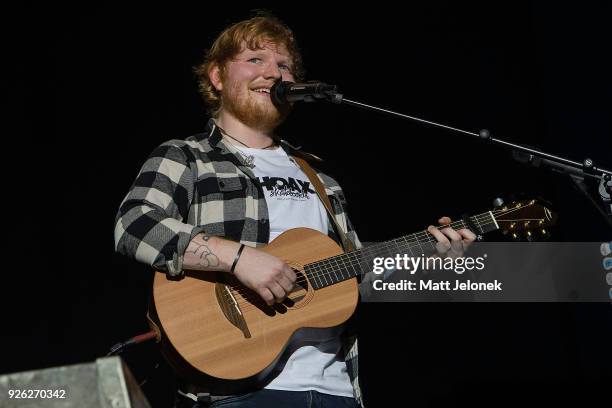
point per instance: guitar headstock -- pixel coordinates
(525, 219)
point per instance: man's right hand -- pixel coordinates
(266, 274)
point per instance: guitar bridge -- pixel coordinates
(231, 308)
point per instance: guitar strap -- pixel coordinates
(316, 182)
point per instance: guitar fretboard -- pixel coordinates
(339, 268)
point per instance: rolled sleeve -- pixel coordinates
(150, 225)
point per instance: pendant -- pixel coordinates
(249, 161)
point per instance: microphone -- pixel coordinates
(285, 92)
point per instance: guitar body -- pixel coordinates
(214, 330)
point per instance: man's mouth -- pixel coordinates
(262, 91)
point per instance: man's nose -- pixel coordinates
(272, 71)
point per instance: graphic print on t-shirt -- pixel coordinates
(291, 199)
(286, 188)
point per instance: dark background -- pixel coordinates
(93, 90)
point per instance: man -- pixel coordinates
(207, 202)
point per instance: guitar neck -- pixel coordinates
(339, 268)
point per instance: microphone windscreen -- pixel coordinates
(278, 92)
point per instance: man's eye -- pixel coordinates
(255, 60)
(284, 67)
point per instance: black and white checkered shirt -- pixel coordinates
(197, 185)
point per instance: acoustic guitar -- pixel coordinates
(217, 332)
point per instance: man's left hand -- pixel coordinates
(451, 243)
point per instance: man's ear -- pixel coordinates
(214, 73)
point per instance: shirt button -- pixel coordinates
(263, 221)
(221, 184)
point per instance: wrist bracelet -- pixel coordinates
(236, 258)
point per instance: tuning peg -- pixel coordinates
(498, 202)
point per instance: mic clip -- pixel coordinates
(324, 91)
(327, 92)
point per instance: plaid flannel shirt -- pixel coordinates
(197, 185)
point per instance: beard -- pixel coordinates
(253, 111)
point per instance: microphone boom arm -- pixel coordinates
(577, 171)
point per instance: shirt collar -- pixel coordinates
(213, 132)
(214, 138)
(214, 135)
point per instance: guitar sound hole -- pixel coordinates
(299, 293)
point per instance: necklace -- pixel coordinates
(248, 159)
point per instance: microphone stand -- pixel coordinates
(577, 172)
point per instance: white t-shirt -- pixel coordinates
(293, 202)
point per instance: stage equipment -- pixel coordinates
(105, 383)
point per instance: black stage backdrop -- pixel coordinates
(94, 89)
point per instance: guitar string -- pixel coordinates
(364, 251)
(414, 238)
(324, 269)
(317, 268)
(315, 272)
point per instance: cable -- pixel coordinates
(141, 338)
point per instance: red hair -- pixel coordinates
(254, 32)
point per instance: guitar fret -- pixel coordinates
(356, 267)
(308, 272)
(420, 246)
(333, 270)
(345, 265)
(338, 270)
(479, 224)
(319, 278)
(396, 243)
(323, 277)
(413, 240)
(358, 263)
(310, 275)
(334, 267)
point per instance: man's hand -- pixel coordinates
(451, 243)
(267, 275)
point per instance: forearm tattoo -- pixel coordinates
(202, 251)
